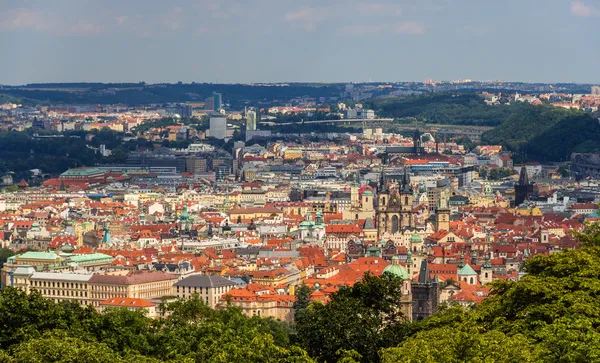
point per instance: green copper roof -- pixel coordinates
(82, 172)
(398, 271)
(368, 193)
(416, 238)
(90, 258)
(34, 255)
(467, 270)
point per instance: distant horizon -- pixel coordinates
(295, 82)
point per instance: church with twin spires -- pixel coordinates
(395, 206)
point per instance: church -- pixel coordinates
(395, 206)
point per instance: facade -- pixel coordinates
(523, 189)
(263, 301)
(218, 101)
(395, 207)
(218, 126)
(209, 288)
(92, 289)
(425, 294)
(251, 120)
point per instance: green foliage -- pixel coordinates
(34, 329)
(443, 108)
(302, 298)
(362, 318)
(577, 133)
(461, 345)
(547, 133)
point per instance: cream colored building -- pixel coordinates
(209, 288)
(92, 289)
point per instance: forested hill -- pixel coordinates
(542, 133)
(443, 108)
(137, 94)
(549, 134)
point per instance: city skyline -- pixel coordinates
(308, 41)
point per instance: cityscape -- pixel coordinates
(437, 220)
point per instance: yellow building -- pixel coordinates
(92, 289)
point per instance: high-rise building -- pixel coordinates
(218, 126)
(209, 103)
(251, 120)
(596, 90)
(218, 101)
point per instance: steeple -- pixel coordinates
(406, 186)
(106, 238)
(523, 178)
(382, 186)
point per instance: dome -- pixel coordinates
(415, 238)
(398, 271)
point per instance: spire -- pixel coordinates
(523, 178)
(409, 259)
(406, 187)
(106, 238)
(382, 186)
(424, 277)
(487, 263)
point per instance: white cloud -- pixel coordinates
(16, 19)
(579, 8)
(309, 18)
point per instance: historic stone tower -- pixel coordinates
(523, 189)
(425, 294)
(395, 206)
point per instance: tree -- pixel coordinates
(302, 298)
(362, 318)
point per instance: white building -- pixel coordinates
(218, 126)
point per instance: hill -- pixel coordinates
(443, 108)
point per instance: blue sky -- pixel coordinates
(232, 41)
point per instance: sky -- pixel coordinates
(244, 41)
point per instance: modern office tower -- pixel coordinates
(218, 126)
(218, 101)
(251, 120)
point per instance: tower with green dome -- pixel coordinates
(396, 270)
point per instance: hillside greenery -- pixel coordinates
(552, 314)
(237, 95)
(532, 132)
(443, 108)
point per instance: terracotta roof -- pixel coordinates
(127, 302)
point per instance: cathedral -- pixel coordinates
(395, 206)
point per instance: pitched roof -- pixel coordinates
(467, 270)
(127, 302)
(204, 281)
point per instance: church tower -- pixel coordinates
(395, 207)
(442, 214)
(523, 189)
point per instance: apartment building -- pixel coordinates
(209, 288)
(92, 289)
